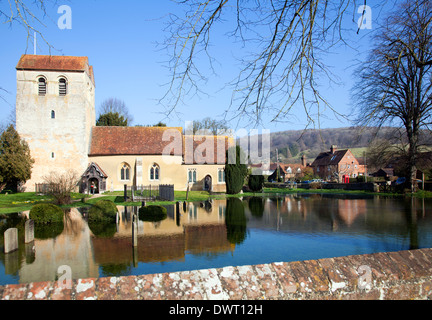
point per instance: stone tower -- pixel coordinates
(55, 112)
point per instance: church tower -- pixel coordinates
(55, 112)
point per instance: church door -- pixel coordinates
(208, 183)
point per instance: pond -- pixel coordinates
(219, 233)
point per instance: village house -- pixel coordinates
(339, 165)
(288, 172)
(55, 114)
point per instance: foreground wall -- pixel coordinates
(386, 276)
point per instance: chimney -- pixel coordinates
(303, 160)
(333, 149)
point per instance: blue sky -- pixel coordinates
(119, 37)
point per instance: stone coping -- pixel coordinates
(380, 276)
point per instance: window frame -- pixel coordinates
(42, 93)
(221, 171)
(192, 175)
(125, 172)
(154, 172)
(65, 89)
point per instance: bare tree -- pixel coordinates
(288, 40)
(30, 15)
(209, 125)
(60, 186)
(395, 83)
(114, 105)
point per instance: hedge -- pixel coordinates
(46, 213)
(103, 210)
(152, 213)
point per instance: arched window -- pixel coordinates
(192, 175)
(52, 114)
(154, 172)
(125, 172)
(42, 86)
(62, 87)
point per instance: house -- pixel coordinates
(387, 173)
(287, 172)
(337, 164)
(55, 115)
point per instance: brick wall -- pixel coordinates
(386, 276)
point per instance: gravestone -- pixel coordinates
(10, 240)
(29, 231)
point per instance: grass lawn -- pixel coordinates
(12, 203)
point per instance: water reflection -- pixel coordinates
(218, 233)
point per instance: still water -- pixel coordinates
(219, 233)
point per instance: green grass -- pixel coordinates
(12, 203)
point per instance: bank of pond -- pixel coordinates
(212, 233)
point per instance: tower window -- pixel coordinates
(52, 155)
(62, 87)
(42, 86)
(52, 114)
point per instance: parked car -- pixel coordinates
(400, 181)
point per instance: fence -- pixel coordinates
(149, 192)
(166, 192)
(44, 188)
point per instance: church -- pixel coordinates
(55, 114)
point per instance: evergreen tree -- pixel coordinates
(15, 159)
(256, 182)
(112, 119)
(235, 173)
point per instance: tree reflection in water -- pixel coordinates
(235, 221)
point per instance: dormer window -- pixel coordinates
(62, 87)
(42, 86)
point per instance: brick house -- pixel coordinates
(337, 165)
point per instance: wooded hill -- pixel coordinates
(292, 144)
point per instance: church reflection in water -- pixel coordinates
(215, 229)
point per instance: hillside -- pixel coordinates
(292, 144)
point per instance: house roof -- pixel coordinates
(108, 141)
(328, 158)
(55, 63)
(294, 167)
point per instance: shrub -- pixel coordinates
(60, 186)
(235, 171)
(256, 183)
(103, 210)
(152, 213)
(46, 213)
(315, 185)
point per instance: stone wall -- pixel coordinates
(381, 276)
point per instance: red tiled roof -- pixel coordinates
(201, 145)
(55, 63)
(328, 158)
(108, 141)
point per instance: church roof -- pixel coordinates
(107, 141)
(55, 63)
